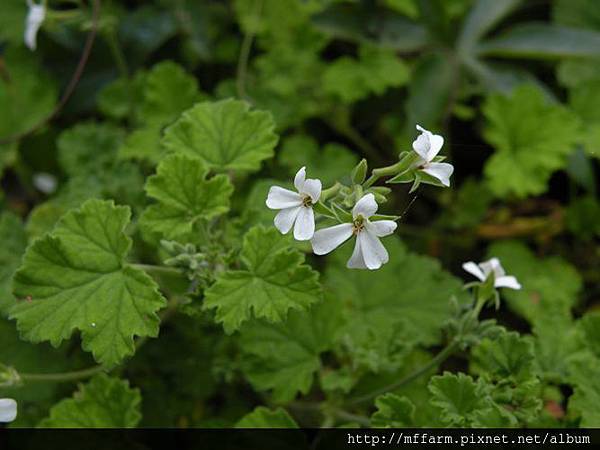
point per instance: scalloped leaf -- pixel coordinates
(224, 135)
(184, 195)
(263, 417)
(76, 278)
(532, 138)
(393, 411)
(275, 280)
(103, 402)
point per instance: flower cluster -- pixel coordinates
(297, 209)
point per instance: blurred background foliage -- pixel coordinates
(513, 86)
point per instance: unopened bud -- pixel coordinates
(359, 173)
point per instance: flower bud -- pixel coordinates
(359, 173)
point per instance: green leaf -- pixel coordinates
(168, 91)
(583, 218)
(12, 234)
(429, 90)
(224, 135)
(77, 278)
(586, 396)
(550, 285)
(540, 40)
(12, 21)
(532, 138)
(274, 281)
(374, 72)
(329, 164)
(464, 402)
(89, 148)
(27, 96)
(410, 288)
(482, 17)
(284, 357)
(123, 98)
(184, 196)
(507, 357)
(364, 22)
(589, 325)
(263, 417)
(103, 402)
(393, 411)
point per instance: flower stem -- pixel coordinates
(382, 172)
(330, 192)
(64, 376)
(242, 66)
(435, 361)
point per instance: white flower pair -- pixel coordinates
(296, 209)
(8, 410)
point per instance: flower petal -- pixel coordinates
(373, 251)
(366, 206)
(436, 142)
(8, 410)
(328, 239)
(300, 178)
(441, 171)
(33, 22)
(280, 198)
(312, 188)
(356, 261)
(285, 218)
(492, 265)
(421, 144)
(474, 269)
(381, 228)
(508, 282)
(304, 229)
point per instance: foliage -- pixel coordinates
(169, 205)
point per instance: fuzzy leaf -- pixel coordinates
(275, 280)
(532, 138)
(284, 357)
(104, 402)
(459, 398)
(224, 135)
(77, 278)
(393, 411)
(184, 196)
(263, 417)
(508, 356)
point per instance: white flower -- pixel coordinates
(428, 145)
(484, 269)
(369, 252)
(296, 207)
(33, 22)
(8, 410)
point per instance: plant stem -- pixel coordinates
(435, 361)
(242, 67)
(356, 138)
(382, 172)
(157, 269)
(64, 376)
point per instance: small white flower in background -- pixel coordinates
(45, 182)
(427, 145)
(33, 22)
(8, 410)
(484, 269)
(296, 207)
(369, 252)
